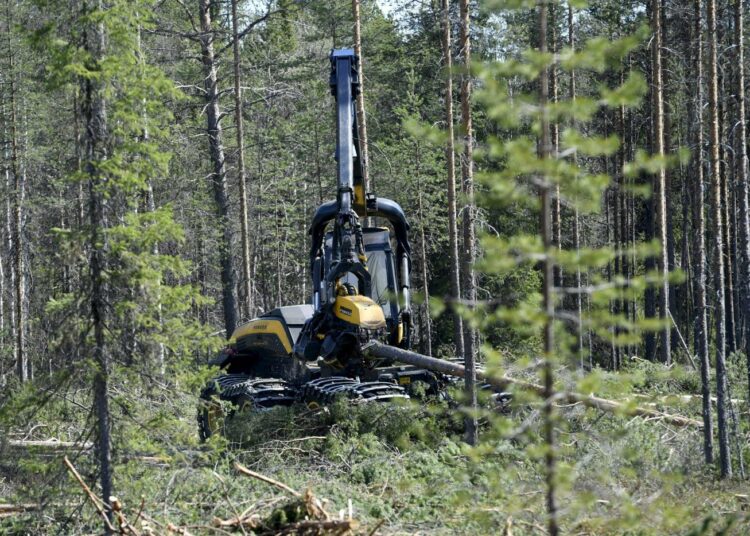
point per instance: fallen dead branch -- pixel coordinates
(455, 369)
(268, 480)
(244, 520)
(7, 510)
(53, 446)
(115, 508)
(305, 515)
(96, 501)
(49, 444)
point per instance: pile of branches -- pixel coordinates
(303, 514)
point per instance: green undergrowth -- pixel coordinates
(402, 466)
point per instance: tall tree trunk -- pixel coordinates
(218, 176)
(426, 331)
(157, 348)
(576, 215)
(668, 175)
(727, 206)
(4, 254)
(545, 149)
(247, 302)
(718, 268)
(361, 116)
(2, 311)
(468, 275)
(660, 186)
(700, 333)
(622, 199)
(2, 294)
(555, 135)
(16, 228)
(9, 243)
(450, 158)
(742, 177)
(95, 141)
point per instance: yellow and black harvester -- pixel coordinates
(315, 352)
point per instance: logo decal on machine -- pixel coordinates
(345, 311)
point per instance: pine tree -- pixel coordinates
(718, 264)
(469, 286)
(576, 216)
(247, 301)
(95, 154)
(743, 192)
(548, 304)
(660, 179)
(218, 177)
(455, 269)
(362, 117)
(700, 332)
(16, 200)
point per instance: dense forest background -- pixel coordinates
(161, 164)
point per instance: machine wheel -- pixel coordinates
(326, 390)
(210, 413)
(245, 394)
(499, 401)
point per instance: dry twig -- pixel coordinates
(96, 501)
(7, 510)
(268, 480)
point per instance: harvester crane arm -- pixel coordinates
(352, 202)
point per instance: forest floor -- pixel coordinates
(394, 469)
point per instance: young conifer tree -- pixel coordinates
(99, 52)
(523, 174)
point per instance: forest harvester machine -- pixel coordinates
(360, 300)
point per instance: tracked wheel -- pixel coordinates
(325, 390)
(245, 394)
(378, 391)
(499, 401)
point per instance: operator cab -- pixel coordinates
(385, 283)
(379, 264)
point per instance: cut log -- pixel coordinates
(455, 369)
